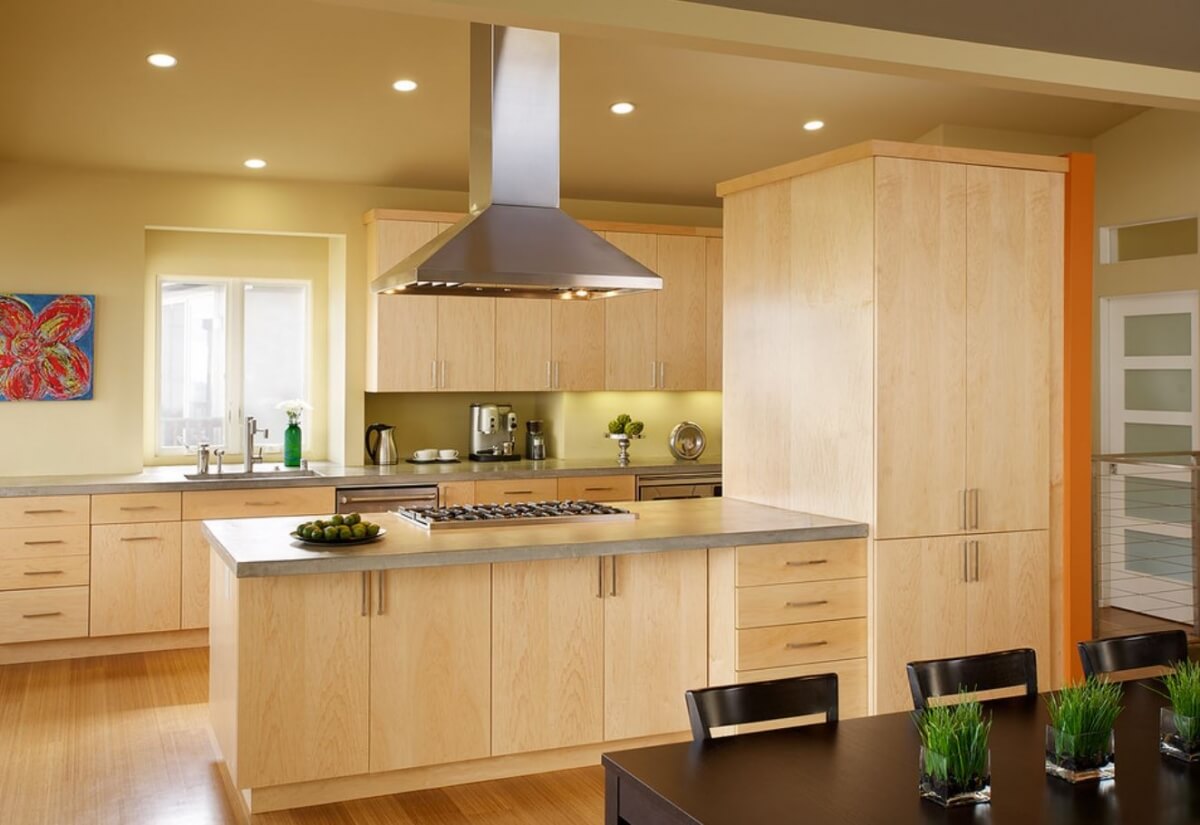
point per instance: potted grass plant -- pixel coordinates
(1080, 745)
(955, 761)
(1179, 725)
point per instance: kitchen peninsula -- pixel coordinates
(446, 656)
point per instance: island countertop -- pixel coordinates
(263, 547)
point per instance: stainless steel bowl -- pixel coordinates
(687, 441)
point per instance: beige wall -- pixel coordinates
(72, 230)
(1004, 140)
(1148, 168)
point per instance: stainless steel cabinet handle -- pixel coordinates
(41, 615)
(653, 375)
(555, 375)
(612, 590)
(433, 374)
(45, 541)
(263, 503)
(975, 550)
(966, 572)
(138, 508)
(807, 563)
(662, 375)
(802, 645)
(962, 509)
(443, 384)
(366, 592)
(599, 577)
(379, 608)
(975, 508)
(43, 572)
(596, 489)
(549, 379)
(139, 538)
(518, 492)
(813, 603)
(44, 512)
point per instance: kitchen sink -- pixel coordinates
(265, 474)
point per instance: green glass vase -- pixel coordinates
(291, 445)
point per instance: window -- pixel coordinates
(229, 349)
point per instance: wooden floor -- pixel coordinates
(1113, 621)
(122, 740)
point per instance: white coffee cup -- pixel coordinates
(425, 455)
(447, 455)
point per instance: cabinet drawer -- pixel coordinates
(135, 507)
(803, 561)
(35, 542)
(50, 571)
(36, 615)
(135, 578)
(797, 644)
(801, 602)
(852, 681)
(44, 511)
(597, 488)
(519, 490)
(276, 501)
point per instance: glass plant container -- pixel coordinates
(952, 792)
(292, 439)
(1081, 757)
(1179, 736)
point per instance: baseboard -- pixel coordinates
(324, 791)
(56, 649)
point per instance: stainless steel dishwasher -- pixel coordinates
(679, 485)
(383, 499)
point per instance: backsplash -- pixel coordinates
(575, 422)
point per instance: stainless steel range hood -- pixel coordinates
(516, 242)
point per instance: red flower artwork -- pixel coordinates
(45, 354)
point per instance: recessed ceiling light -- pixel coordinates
(161, 60)
(404, 85)
(254, 163)
(623, 107)
(814, 125)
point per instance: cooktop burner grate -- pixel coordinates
(500, 515)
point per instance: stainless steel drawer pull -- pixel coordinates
(43, 572)
(366, 592)
(41, 615)
(518, 492)
(139, 538)
(44, 512)
(802, 645)
(263, 503)
(44, 541)
(379, 608)
(596, 489)
(807, 563)
(813, 603)
(139, 507)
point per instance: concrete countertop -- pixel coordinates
(171, 479)
(262, 547)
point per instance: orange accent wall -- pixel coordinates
(1077, 406)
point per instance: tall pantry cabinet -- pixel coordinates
(916, 293)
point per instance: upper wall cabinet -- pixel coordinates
(667, 340)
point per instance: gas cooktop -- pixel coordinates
(500, 515)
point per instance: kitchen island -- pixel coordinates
(439, 657)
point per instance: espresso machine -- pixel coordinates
(493, 433)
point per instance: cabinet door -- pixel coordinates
(1008, 599)
(402, 354)
(655, 641)
(194, 577)
(1015, 249)
(303, 674)
(430, 666)
(920, 255)
(921, 610)
(682, 348)
(523, 345)
(714, 274)
(466, 342)
(631, 323)
(547, 655)
(135, 578)
(577, 340)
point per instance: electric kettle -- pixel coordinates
(382, 450)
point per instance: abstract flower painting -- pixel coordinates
(47, 345)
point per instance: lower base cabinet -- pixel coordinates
(135, 578)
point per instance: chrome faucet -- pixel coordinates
(251, 431)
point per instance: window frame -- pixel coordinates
(235, 334)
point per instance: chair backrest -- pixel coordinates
(716, 707)
(1164, 649)
(988, 671)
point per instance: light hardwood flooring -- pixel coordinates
(123, 740)
(1114, 621)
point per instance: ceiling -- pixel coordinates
(306, 85)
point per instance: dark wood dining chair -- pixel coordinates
(988, 671)
(717, 707)
(1161, 649)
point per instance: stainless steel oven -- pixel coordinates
(383, 499)
(679, 485)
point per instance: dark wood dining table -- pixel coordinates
(864, 771)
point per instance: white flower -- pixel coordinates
(293, 407)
